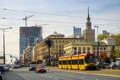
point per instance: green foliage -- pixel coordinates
(113, 52)
(48, 64)
(48, 43)
(101, 37)
(117, 38)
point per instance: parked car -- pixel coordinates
(114, 66)
(1, 78)
(16, 66)
(6, 68)
(41, 68)
(32, 68)
(1, 69)
(104, 65)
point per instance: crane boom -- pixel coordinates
(26, 17)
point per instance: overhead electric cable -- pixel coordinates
(58, 14)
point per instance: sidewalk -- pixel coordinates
(9, 75)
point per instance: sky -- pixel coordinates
(59, 15)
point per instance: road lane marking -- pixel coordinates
(109, 75)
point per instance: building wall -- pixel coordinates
(28, 55)
(74, 48)
(109, 41)
(57, 48)
(89, 36)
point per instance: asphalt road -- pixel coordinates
(60, 75)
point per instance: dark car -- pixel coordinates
(15, 66)
(1, 69)
(1, 78)
(32, 68)
(41, 68)
(114, 66)
(104, 65)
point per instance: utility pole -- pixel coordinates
(26, 17)
(97, 43)
(3, 29)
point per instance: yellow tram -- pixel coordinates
(78, 62)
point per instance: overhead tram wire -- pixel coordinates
(58, 15)
(40, 13)
(58, 21)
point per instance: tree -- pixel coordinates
(117, 38)
(113, 53)
(102, 56)
(101, 37)
(49, 44)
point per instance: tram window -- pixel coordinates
(69, 61)
(64, 62)
(81, 61)
(74, 61)
(60, 62)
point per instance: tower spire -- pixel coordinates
(88, 14)
(88, 23)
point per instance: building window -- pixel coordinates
(56, 46)
(97, 48)
(74, 50)
(88, 50)
(84, 50)
(79, 50)
(104, 48)
(60, 41)
(60, 51)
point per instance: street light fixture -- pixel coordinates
(3, 29)
(97, 30)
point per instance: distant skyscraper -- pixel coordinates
(28, 36)
(77, 32)
(106, 33)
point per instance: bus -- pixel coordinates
(78, 62)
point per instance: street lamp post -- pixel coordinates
(3, 29)
(97, 44)
(97, 30)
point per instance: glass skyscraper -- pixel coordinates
(28, 36)
(77, 32)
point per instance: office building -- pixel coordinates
(77, 32)
(28, 36)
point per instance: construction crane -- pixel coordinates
(26, 17)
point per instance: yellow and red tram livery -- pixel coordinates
(80, 62)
